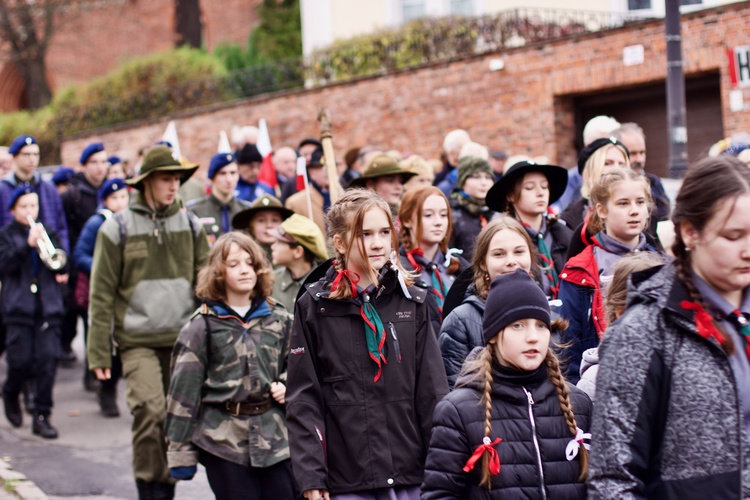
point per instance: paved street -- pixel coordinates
(92, 457)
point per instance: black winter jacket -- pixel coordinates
(348, 433)
(460, 333)
(466, 228)
(561, 236)
(80, 203)
(526, 415)
(17, 302)
(668, 422)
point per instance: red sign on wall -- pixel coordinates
(739, 66)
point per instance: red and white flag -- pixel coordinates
(303, 183)
(267, 170)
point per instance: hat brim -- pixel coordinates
(497, 196)
(241, 220)
(187, 173)
(360, 182)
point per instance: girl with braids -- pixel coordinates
(502, 247)
(525, 192)
(513, 428)
(364, 366)
(622, 204)
(426, 225)
(674, 378)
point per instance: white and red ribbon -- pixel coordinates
(571, 450)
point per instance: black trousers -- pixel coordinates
(231, 481)
(32, 352)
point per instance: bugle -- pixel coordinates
(53, 258)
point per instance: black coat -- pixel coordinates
(17, 302)
(459, 429)
(346, 432)
(466, 228)
(80, 202)
(561, 236)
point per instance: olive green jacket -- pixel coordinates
(141, 291)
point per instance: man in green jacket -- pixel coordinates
(146, 261)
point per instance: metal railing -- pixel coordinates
(422, 42)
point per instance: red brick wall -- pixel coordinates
(523, 109)
(90, 45)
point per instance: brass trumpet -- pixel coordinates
(53, 258)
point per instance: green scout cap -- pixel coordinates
(161, 159)
(241, 220)
(381, 166)
(301, 230)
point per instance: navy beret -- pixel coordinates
(109, 187)
(91, 149)
(63, 175)
(218, 162)
(114, 160)
(19, 143)
(21, 190)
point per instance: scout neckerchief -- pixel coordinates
(704, 323)
(438, 287)
(740, 323)
(548, 265)
(374, 329)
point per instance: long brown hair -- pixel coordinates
(482, 247)
(345, 219)
(211, 282)
(617, 290)
(708, 184)
(411, 208)
(480, 369)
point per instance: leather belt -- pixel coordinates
(236, 408)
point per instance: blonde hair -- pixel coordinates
(594, 167)
(604, 189)
(478, 262)
(345, 219)
(211, 282)
(480, 369)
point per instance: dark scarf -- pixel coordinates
(474, 206)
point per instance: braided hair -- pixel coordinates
(345, 219)
(708, 185)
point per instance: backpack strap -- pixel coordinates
(123, 228)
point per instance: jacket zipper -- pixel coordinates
(395, 340)
(536, 442)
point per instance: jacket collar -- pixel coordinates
(84, 185)
(140, 205)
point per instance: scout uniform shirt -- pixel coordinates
(215, 217)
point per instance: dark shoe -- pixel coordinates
(90, 382)
(67, 357)
(108, 403)
(29, 389)
(42, 427)
(13, 410)
(162, 491)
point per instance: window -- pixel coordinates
(412, 9)
(462, 7)
(639, 4)
(691, 2)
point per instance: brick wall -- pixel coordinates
(86, 46)
(525, 108)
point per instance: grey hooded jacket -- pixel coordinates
(667, 420)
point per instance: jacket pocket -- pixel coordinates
(340, 390)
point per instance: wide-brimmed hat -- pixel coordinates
(161, 159)
(380, 166)
(241, 220)
(497, 196)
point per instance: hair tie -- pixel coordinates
(487, 447)
(351, 276)
(703, 322)
(574, 445)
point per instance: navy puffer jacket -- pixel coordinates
(526, 415)
(460, 333)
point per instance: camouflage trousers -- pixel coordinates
(146, 373)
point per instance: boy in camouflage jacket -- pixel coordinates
(226, 397)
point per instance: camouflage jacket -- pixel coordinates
(237, 362)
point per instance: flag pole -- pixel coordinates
(330, 159)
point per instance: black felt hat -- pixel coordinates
(594, 147)
(497, 196)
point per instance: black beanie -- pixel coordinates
(512, 297)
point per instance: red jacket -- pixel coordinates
(583, 270)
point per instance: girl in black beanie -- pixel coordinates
(513, 426)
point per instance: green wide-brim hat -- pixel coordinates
(161, 159)
(241, 220)
(380, 166)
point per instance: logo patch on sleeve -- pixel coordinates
(297, 350)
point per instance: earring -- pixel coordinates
(486, 276)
